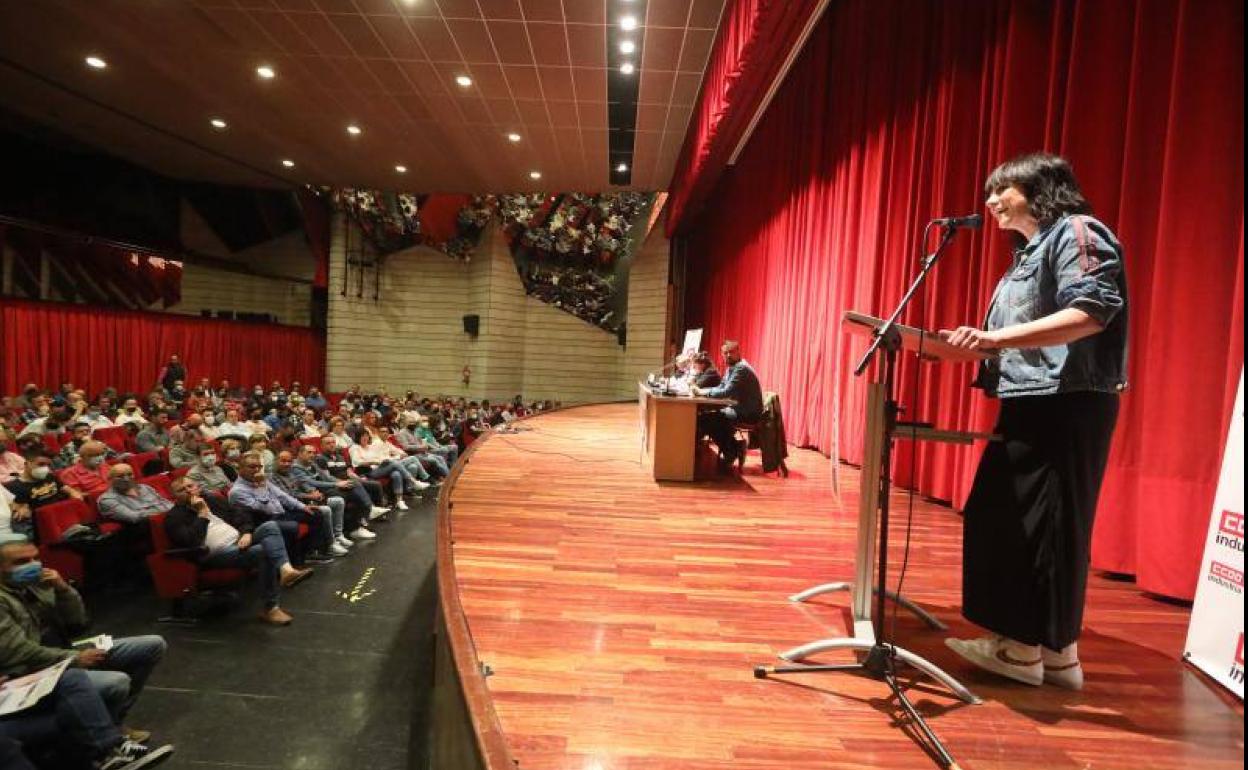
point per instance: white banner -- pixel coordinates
(1215, 638)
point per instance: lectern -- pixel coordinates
(863, 639)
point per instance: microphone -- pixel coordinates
(972, 222)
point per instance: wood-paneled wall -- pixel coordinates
(413, 338)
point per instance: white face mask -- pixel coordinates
(210, 420)
(208, 460)
(40, 472)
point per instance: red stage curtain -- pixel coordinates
(49, 343)
(894, 114)
(755, 38)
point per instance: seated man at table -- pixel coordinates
(741, 385)
(702, 372)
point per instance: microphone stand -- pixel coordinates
(880, 660)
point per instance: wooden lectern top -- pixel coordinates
(934, 348)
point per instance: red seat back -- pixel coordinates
(53, 519)
(161, 482)
(115, 437)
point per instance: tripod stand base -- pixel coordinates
(826, 588)
(799, 654)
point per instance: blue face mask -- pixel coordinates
(27, 574)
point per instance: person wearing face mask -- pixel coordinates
(39, 612)
(257, 424)
(315, 400)
(208, 428)
(11, 463)
(256, 494)
(95, 417)
(208, 474)
(89, 475)
(36, 487)
(232, 426)
(129, 413)
(128, 501)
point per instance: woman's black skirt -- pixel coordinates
(1028, 522)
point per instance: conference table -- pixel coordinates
(669, 431)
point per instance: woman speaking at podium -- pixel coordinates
(1058, 319)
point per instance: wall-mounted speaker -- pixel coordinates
(472, 324)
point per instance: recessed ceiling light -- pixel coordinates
(513, 137)
(218, 124)
(266, 72)
(535, 175)
(627, 68)
(463, 80)
(628, 23)
(288, 163)
(628, 46)
(401, 169)
(96, 62)
(623, 167)
(354, 130)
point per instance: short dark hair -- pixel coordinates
(1047, 181)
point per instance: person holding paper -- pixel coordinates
(37, 604)
(1058, 319)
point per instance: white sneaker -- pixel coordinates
(403, 506)
(363, 534)
(1062, 669)
(421, 485)
(336, 549)
(343, 541)
(1002, 656)
(377, 512)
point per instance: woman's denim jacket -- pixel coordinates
(1076, 262)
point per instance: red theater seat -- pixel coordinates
(177, 575)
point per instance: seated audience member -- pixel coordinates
(209, 428)
(209, 473)
(70, 452)
(129, 413)
(232, 450)
(315, 400)
(309, 427)
(229, 538)
(155, 436)
(89, 475)
(197, 400)
(259, 443)
(231, 427)
(256, 424)
(9, 517)
(358, 506)
(40, 407)
(26, 399)
(702, 372)
(192, 424)
(52, 423)
(184, 453)
(11, 463)
(446, 447)
(312, 497)
(741, 385)
(96, 415)
(40, 613)
(414, 444)
(372, 459)
(34, 488)
(413, 464)
(342, 438)
(336, 464)
(127, 501)
(255, 494)
(419, 434)
(175, 396)
(73, 724)
(227, 392)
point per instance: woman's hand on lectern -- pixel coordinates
(969, 338)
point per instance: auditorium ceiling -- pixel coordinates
(388, 68)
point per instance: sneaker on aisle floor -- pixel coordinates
(343, 541)
(318, 557)
(421, 485)
(363, 534)
(402, 505)
(337, 549)
(129, 755)
(1003, 657)
(376, 512)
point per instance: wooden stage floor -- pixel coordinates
(622, 617)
